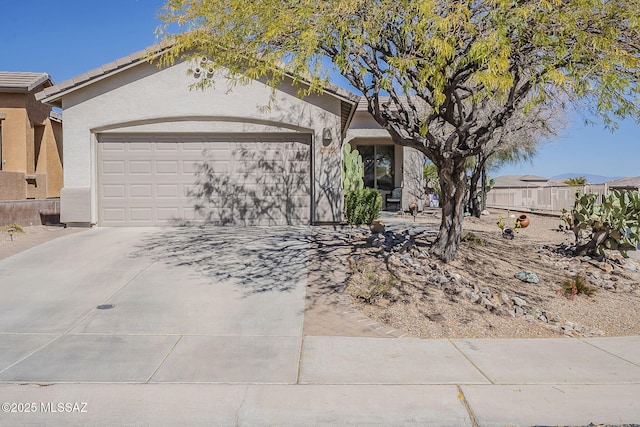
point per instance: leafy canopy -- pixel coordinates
(450, 56)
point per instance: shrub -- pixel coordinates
(369, 285)
(16, 228)
(577, 285)
(471, 238)
(362, 206)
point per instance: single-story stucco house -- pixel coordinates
(143, 148)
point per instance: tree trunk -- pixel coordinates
(474, 198)
(453, 185)
(591, 247)
(483, 184)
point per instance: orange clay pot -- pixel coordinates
(523, 220)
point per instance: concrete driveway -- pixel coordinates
(140, 305)
(205, 326)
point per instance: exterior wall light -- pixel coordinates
(327, 137)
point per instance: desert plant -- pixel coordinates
(470, 237)
(362, 206)
(352, 170)
(613, 224)
(575, 286)
(16, 228)
(508, 232)
(369, 285)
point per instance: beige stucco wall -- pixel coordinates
(40, 164)
(14, 132)
(146, 99)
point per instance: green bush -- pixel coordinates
(613, 224)
(362, 206)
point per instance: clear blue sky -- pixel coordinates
(69, 37)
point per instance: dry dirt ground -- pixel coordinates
(477, 295)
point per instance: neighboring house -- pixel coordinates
(631, 183)
(386, 165)
(30, 139)
(524, 181)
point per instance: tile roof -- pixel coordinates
(11, 81)
(52, 94)
(525, 181)
(630, 181)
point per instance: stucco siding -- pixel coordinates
(146, 99)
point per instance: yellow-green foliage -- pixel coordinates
(16, 228)
(588, 47)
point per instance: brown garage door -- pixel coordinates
(235, 179)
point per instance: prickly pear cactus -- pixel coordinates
(613, 224)
(352, 170)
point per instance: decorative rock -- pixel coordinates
(486, 303)
(518, 310)
(377, 226)
(519, 301)
(485, 212)
(605, 266)
(474, 297)
(529, 318)
(441, 280)
(527, 276)
(504, 297)
(609, 286)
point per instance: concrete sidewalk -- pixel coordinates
(206, 327)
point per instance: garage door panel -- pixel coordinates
(113, 167)
(167, 214)
(114, 215)
(233, 179)
(168, 191)
(138, 147)
(114, 191)
(141, 167)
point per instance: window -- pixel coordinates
(379, 166)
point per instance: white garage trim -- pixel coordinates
(234, 179)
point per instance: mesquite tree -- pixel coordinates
(440, 62)
(516, 141)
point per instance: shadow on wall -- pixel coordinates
(255, 259)
(261, 183)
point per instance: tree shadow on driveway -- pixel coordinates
(255, 259)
